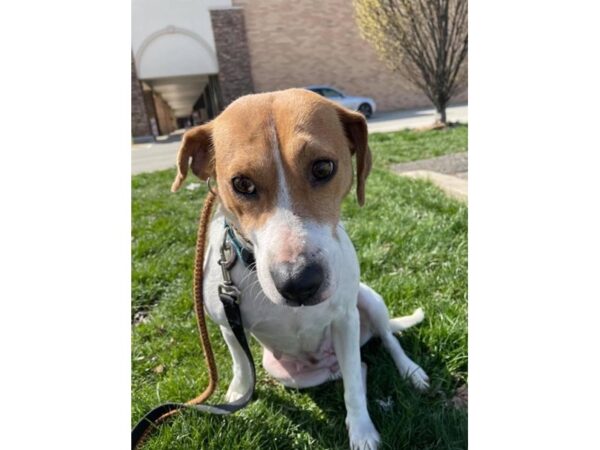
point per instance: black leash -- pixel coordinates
(230, 297)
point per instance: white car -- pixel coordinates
(365, 105)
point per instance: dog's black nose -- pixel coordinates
(298, 283)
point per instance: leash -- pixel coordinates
(229, 294)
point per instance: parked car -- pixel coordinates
(365, 105)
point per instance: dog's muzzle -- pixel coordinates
(299, 282)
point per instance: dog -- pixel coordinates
(282, 162)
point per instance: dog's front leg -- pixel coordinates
(346, 342)
(242, 372)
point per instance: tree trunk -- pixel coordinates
(441, 114)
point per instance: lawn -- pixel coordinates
(412, 244)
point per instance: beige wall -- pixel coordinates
(297, 43)
(164, 114)
(173, 38)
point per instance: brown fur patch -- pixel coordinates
(307, 128)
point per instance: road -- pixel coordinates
(153, 156)
(161, 155)
(414, 118)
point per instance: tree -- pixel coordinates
(423, 40)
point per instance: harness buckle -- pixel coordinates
(228, 258)
(229, 292)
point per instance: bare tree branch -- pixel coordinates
(426, 41)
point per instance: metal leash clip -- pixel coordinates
(227, 290)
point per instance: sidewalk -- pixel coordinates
(448, 172)
(161, 155)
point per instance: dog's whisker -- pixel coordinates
(248, 275)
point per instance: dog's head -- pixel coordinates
(283, 164)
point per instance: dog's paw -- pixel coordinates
(362, 435)
(419, 378)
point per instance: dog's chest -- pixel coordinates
(296, 347)
(297, 332)
(298, 354)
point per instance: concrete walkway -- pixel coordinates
(161, 155)
(153, 156)
(448, 172)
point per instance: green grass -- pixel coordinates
(412, 244)
(404, 146)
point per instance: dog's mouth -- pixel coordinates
(323, 295)
(317, 300)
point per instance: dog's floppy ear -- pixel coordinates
(197, 146)
(355, 127)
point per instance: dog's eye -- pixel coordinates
(243, 185)
(323, 170)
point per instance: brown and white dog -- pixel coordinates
(283, 164)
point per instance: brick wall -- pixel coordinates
(140, 125)
(235, 76)
(317, 42)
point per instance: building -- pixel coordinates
(190, 58)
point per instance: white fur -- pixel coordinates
(350, 315)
